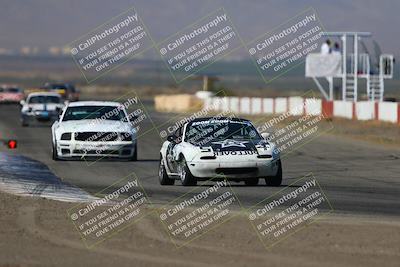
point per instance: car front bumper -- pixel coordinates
(40, 117)
(115, 149)
(256, 168)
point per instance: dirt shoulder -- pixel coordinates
(387, 134)
(37, 232)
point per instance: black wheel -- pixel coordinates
(251, 181)
(277, 179)
(24, 123)
(162, 174)
(185, 175)
(54, 152)
(134, 156)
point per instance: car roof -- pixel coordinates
(44, 94)
(55, 85)
(7, 89)
(94, 103)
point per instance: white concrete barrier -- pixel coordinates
(365, 110)
(313, 106)
(296, 105)
(217, 103)
(208, 103)
(234, 104)
(281, 105)
(268, 105)
(343, 109)
(256, 105)
(387, 111)
(245, 105)
(178, 103)
(225, 104)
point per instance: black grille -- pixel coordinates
(97, 152)
(96, 136)
(264, 156)
(236, 170)
(126, 136)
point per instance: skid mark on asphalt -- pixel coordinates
(20, 175)
(26, 220)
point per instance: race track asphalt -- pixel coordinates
(357, 177)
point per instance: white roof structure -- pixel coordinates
(350, 66)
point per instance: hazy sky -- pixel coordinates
(45, 23)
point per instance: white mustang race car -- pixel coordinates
(40, 107)
(94, 129)
(220, 148)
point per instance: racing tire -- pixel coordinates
(54, 152)
(162, 174)
(24, 123)
(185, 175)
(134, 156)
(251, 181)
(277, 179)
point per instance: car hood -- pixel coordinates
(94, 126)
(225, 149)
(236, 145)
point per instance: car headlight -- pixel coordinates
(66, 136)
(276, 152)
(263, 145)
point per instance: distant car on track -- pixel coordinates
(10, 94)
(40, 107)
(66, 90)
(94, 129)
(226, 148)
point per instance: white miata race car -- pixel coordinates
(94, 129)
(219, 148)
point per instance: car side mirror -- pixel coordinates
(22, 102)
(265, 135)
(171, 138)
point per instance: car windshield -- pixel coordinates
(13, 90)
(56, 86)
(204, 132)
(94, 112)
(41, 99)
